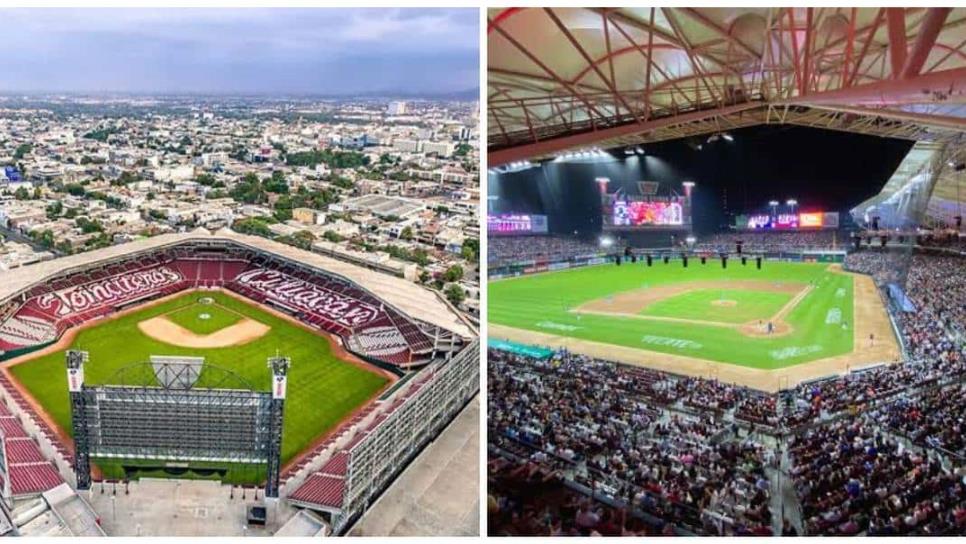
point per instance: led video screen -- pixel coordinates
(643, 214)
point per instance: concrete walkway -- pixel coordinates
(439, 493)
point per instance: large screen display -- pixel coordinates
(787, 221)
(643, 214)
(513, 223)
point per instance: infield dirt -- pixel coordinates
(870, 319)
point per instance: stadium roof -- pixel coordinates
(412, 299)
(566, 79)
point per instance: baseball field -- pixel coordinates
(770, 319)
(325, 385)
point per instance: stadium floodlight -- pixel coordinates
(791, 202)
(700, 147)
(606, 241)
(690, 240)
(639, 150)
(728, 137)
(773, 203)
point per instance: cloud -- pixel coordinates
(243, 50)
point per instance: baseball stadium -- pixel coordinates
(256, 386)
(726, 271)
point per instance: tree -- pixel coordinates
(54, 210)
(88, 226)
(22, 193)
(277, 184)
(205, 179)
(471, 250)
(249, 190)
(454, 294)
(125, 178)
(75, 189)
(303, 239)
(21, 151)
(253, 225)
(407, 233)
(453, 273)
(462, 150)
(45, 238)
(332, 236)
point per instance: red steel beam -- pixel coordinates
(865, 47)
(896, 19)
(849, 46)
(807, 62)
(553, 145)
(500, 17)
(647, 76)
(932, 24)
(534, 59)
(948, 86)
(618, 98)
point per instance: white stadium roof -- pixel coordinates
(412, 299)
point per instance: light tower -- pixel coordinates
(279, 366)
(792, 203)
(773, 204)
(688, 189)
(75, 389)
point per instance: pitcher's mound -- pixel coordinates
(753, 328)
(167, 331)
(724, 303)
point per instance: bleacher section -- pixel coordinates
(23, 466)
(330, 303)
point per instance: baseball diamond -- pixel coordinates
(700, 320)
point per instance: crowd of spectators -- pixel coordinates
(850, 478)
(674, 465)
(503, 250)
(773, 241)
(935, 419)
(526, 498)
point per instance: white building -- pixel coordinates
(442, 149)
(396, 108)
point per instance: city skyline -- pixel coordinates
(370, 51)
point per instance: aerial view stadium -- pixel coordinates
(726, 271)
(281, 374)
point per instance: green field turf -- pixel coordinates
(322, 389)
(204, 318)
(699, 304)
(543, 302)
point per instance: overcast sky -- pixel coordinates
(237, 50)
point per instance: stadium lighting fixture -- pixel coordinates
(700, 147)
(728, 137)
(773, 203)
(606, 241)
(690, 240)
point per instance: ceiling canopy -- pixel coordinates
(563, 79)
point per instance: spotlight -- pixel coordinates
(639, 150)
(728, 137)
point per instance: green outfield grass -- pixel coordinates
(699, 304)
(543, 303)
(204, 318)
(322, 389)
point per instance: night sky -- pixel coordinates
(824, 170)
